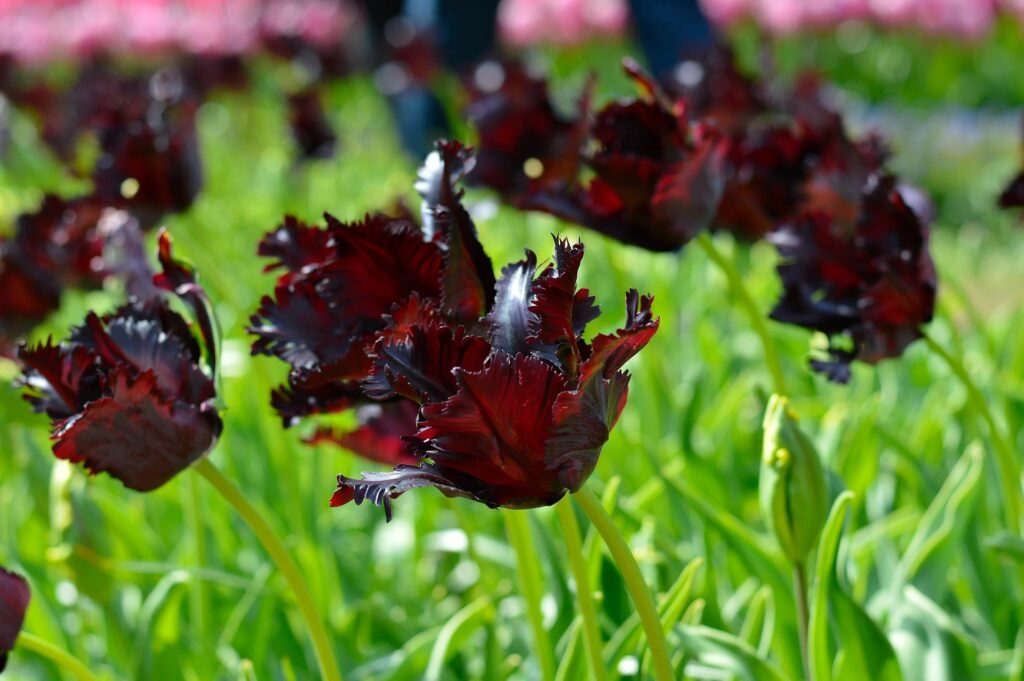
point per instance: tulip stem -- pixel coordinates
(284, 561)
(517, 524)
(630, 571)
(1009, 473)
(739, 289)
(584, 594)
(58, 656)
(803, 617)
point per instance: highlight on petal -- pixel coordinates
(136, 434)
(14, 599)
(381, 488)
(510, 319)
(467, 285)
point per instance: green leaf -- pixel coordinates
(934, 546)
(1007, 544)
(824, 571)
(455, 633)
(722, 650)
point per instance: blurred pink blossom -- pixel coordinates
(566, 22)
(38, 30)
(961, 19)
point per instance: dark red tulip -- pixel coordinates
(524, 146)
(312, 133)
(14, 598)
(516, 417)
(716, 89)
(658, 180)
(869, 285)
(60, 245)
(346, 287)
(150, 165)
(1013, 195)
(126, 391)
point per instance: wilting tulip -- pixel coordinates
(1013, 195)
(870, 281)
(14, 598)
(126, 391)
(658, 180)
(524, 146)
(58, 246)
(312, 133)
(793, 486)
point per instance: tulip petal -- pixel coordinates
(510, 319)
(381, 434)
(136, 434)
(14, 599)
(420, 366)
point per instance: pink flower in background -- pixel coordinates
(962, 19)
(522, 22)
(39, 30)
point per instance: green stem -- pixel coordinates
(58, 656)
(803, 617)
(284, 561)
(198, 591)
(739, 289)
(630, 571)
(518, 528)
(584, 594)
(1009, 473)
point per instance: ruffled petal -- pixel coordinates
(381, 434)
(14, 599)
(136, 434)
(420, 367)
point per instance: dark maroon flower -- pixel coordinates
(658, 180)
(345, 287)
(150, 164)
(515, 417)
(312, 133)
(523, 145)
(869, 285)
(766, 168)
(14, 598)
(716, 89)
(60, 245)
(126, 392)
(1013, 195)
(380, 435)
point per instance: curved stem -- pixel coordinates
(58, 656)
(1009, 473)
(739, 289)
(283, 559)
(803, 617)
(630, 571)
(518, 528)
(584, 594)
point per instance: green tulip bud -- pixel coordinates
(793, 486)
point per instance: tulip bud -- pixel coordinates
(793, 487)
